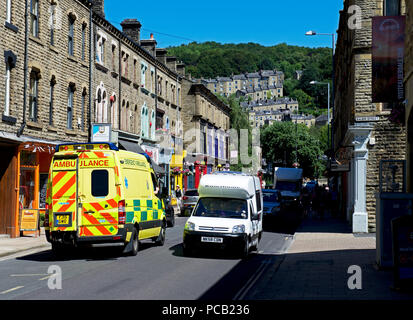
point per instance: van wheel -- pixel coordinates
(246, 249)
(135, 243)
(162, 235)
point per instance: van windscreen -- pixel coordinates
(100, 183)
(221, 208)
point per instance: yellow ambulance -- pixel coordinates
(99, 195)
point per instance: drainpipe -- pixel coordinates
(91, 61)
(120, 86)
(26, 62)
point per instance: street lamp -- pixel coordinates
(314, 33)
(328, 109)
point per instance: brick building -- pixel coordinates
(363, 132)
(206, 122)
(44, 94)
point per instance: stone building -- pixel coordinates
(408, 73)
(362, 130)
(137, 90)
(44, 96)
(206, 121)
(264, 84)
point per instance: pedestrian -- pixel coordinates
(178, 194)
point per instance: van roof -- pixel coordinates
(288, 173)
(220, 186)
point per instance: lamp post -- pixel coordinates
(328, 109)
(314, 33)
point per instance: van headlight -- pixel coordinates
(238, 229)
(190, 226)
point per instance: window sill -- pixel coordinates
(101, 67)
(51, 128)
(114, 74)
(53, 48)
(72, 58)
(126, 80)
(71, 132)
(37, 40)
(34, 125)
(145, 91)
(12, 27)
(8, 119)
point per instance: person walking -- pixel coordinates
(178, 195)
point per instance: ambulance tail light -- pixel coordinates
(122, 212)
(46, 216)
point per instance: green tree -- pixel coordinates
(288, 137)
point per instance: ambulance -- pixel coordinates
(228, 214)
(98, 195)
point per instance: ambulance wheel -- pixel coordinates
(57, 249)
(160, 241)
(135, 243)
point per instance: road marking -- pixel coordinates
(46, 277)
(28, 275)
(12, 289)
(246, 288)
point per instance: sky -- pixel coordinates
(267, 22)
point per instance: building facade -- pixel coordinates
(264, 84)
(206, 123)
(44, 94)
(363, 133)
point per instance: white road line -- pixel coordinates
(244, 290)
(28, 275)
(12, 289)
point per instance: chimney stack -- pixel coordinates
(98, 7)
(132, 29)
(150, 45)
(161, 55)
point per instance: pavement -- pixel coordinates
(22, 245)
(317, 267)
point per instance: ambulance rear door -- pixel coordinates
(64, 193)
(99, 194)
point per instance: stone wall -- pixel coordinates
(51, 62)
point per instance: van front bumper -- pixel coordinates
(192, 240)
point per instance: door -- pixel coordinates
(254, 224)
(64, 194)
(98, 202)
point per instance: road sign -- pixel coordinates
(29, 220)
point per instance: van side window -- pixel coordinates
(251, 210)
(258, 199)
(100, 183)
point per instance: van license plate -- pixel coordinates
(212, 239)
(62, 219)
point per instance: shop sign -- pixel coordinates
(29, 220)
(152, 152)
(101, 132)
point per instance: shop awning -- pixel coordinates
(135, 147)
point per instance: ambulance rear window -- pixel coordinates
(100, 183)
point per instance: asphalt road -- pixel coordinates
(156, 273)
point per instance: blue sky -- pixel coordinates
(267, 22)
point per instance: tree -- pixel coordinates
(288, 137)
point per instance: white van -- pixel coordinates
(228, 214)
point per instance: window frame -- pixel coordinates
(34, 18)
(70, 106)
(34, 96)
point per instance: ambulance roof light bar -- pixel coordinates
(112, 146)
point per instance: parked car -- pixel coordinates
(189, 201)
(272, 202)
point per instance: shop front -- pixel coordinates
(24, 184)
